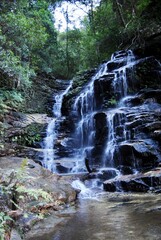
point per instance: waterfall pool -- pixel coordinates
(115, 216)
(108, 125)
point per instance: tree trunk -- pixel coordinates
(119, 10)
(67, 41)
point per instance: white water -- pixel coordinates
(49, 146)
(85, 192)
(51, 132)
(85, 130)
(85, 106)
(117, 132)
(84, 103)
(120, 85)
(58, 101)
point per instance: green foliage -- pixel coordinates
(11, 98)
(17, 192)
(18, 73)
(22, 191)
(22, 174)
(17, 187)
(32, 193)
(101, 40)
(30, 44)
(112, 26)
(112, 102)
(2, 107)
(4, 218)
(30, 135)
(142, 5)
(71, 56)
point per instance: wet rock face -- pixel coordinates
(138, 155)
(23, 134)
(141, 182)
(145, 74)
(101, 128)
(79, 84)
(103, 90)
(115, 120)
(23, 185)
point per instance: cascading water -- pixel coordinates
(110, 136)
(51, 133)
(85, 192)
(116, 117)
(86, 107)
(120, 80)
(117, 132)
(101, 131)
(49, 146)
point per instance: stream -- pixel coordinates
(114, 216)
(109, 128)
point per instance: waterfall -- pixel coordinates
(49, 146)
(120, 83)
(51, 132)
(116, 117)
(86, 109)
(85, 102)
(84, 106)
(85, 192)
(107, 128)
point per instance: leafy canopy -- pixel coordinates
(30, 44)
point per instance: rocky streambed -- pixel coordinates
(123, 136)
(98, 215)
(35, 199)
(115, 216)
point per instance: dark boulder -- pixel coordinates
(113, 65)
(141, 182)
(138, 155)
(105, 174)
(103, 90)
(101, 128)
(146, 75)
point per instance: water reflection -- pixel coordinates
(116, 217)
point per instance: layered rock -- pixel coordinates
(126, 118)
(140, 182)
(22, 134)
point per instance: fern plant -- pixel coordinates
(20, 194)
(22, 175)
(22, 191)
(4, 218)
(10, 98)
(34, 193)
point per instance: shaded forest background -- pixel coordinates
(30, 45)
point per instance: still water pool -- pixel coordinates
(115, 216)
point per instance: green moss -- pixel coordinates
(112, 102)
(79, 81)
(31, 135)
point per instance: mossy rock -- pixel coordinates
(144, 75)
(79, 82)
(32, 135)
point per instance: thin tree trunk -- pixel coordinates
(120, 13)
(67, 41)
(134, 8)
